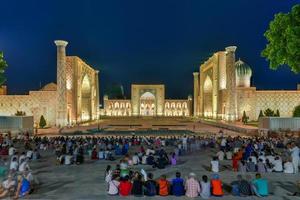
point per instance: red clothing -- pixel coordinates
(235, 163)
(94, 155)
(217, 187)
(163, 187)
(125, 188)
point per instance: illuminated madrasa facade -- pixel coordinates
(222, 90)
(74, 99)
(147, 100)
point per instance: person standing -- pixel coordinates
(295, 156)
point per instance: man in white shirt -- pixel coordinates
(68, 159)
(295, 156)
(277, 164)
(135, 159)
(220, 155)
(214, 165)
(11, 150)
(288, 167)
(14, 164)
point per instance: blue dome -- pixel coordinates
(242, 69)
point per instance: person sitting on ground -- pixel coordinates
(214, 165)
(7, 186)
(173, 159)
(14, 164)
(36, 155)
(150, 186)
(220, 155)
(251, 166)
(228, 155)
(269, 166)
(243, 187)
(150, 160)
(260, 186)
(163, 186)
(277, 165)
(94, 155)
(261, 167)
(135, 159)
(137, 186)
(177, 185)
(235, 162)
(242, 166)
(23, 187)
(205, 187)
(288, 167)
(144, 159)
(192, 186)
(125, 186)
(217, 186)
(113, 186)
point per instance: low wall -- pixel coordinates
(280, 123)
(16, 124)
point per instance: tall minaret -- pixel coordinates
(61, 107)
(196, 92)
(231, 104)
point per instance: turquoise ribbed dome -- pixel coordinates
(242, 69)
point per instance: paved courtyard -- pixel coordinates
(86, 181)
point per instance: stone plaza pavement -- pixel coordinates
(87, 181)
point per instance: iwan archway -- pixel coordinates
(147, 100)
(86, 98)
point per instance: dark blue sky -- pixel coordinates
(137, 41)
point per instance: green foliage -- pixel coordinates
(261, 114)
(20, 113)
(269, 113)
(283, 37)
(42, 123)
(277, 114)
(296, 112)
(3, 66)
(245, 118)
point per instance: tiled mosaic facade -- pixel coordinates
(222, 93)
(60, 104)
(147, 100)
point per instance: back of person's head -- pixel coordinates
(215, 158)
(150, 176)
(126, 178)
(250, 159)
(205, 178)
(108, 167)
(258, 175)
(178, 174)
(139, 177)
(260, 160)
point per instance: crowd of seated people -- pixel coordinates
(142, 184)
(258, 156)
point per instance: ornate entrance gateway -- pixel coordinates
(147, 104)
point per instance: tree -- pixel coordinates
(42, 123)
(283, 37)
(245, 118)
(277, 114)
(3, 66)
(269, 113)
(296, 112)
(261, 114)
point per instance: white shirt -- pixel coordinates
(220, 155)
(228, 155)
(144, 160)
(14, 165)
(68, 159)
(295, 152)
(11, 151)
(22, 157)
(113, 187)
(214, 166)
(288, 168)
(223, 142)
(29, 154)
(135, 160)
(22, 166)
(277, 165)
(148, 151)
(8, 184)
(205, 190)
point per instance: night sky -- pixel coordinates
(136, 41)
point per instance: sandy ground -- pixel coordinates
(86, 181)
